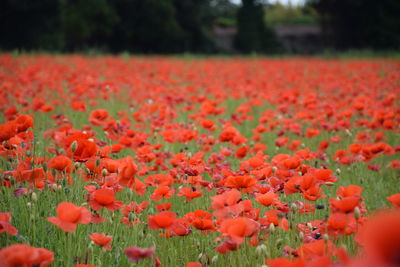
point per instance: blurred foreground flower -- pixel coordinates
(135, 253)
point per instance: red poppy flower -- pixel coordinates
(69, 216)
(189, 193)
(239, 228)
(135, 253)
(395, 200)
(163, 220)
(101, 240)
(162, 191)
(267, 199)
(243, 182)
(104, 197)
(25, 255)
(380, 237)
(5, 225)
(346, 204)
(283, 262)
(98, 117)
(60, 163)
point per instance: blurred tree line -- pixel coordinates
(175, 26)
(359, 24)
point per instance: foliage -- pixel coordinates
(252, 33)
(360, 24)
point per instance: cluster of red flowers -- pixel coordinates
(351, 110)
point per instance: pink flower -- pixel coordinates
(135, 253)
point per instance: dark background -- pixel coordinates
(177, 26)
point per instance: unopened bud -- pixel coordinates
(329, 183)
(274, 169)
(214, 259)
(98, 162)
(271, 227)
(54, 187)
(91, 140)
(309, 225)
(104, 172)
(203, 259)
(338, 171)
(44, 166)
(294, 206)
(348, 132)
(301, 235)
(357, 213)
(131, 216)
(29, 205)
(34, 197)
(74, 146)
(325, 237)
(59, 188)
(261, 249)
(76, 165)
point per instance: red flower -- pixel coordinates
(101, 240)
(239, 228)
(163, 219)
(24, 255)
(395, 200)
(5, 225)
(380, 237)
(69, 216)
(135, 253)
(189, 193)
(104, 197)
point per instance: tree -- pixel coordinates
(360, 24)
(252, 33)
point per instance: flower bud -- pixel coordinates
(131, 216)
(203, 258)
(261, 250)
(357, 213)
(34, 197)
(271, 227)
(214, 259)
(104, 172)
(76, 165)
(325, 237)
(309, 225)
(301, 235)
(44, 166)
(98, 162)
(74, 146)
(338, 171)
(54, 187)
(274, 169)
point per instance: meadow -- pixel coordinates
(143, 161)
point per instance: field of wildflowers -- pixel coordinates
(162, 161)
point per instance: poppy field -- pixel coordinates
(163, 161)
